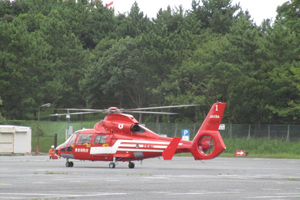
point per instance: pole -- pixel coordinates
(38, 133)
(249, 132)
(38, 127)
(230, 131)
(288, 134)
(269, 132)
(55, 140)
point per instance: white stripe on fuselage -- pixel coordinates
(154, 146)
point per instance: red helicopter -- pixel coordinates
(120, 137)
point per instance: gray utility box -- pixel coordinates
(15, 139)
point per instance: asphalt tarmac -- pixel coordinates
(37, 177)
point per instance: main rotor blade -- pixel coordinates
(82, 109)
(75, 113)
(160, 107)
(131, 110)
(149, 112)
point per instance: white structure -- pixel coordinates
(15, 139)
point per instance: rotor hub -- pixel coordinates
(113, 110)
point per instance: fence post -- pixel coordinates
(288, 134)
(194, 129)
(249, 132)
(230, 133)
(158, 128)
(269, 132)
(55, 140)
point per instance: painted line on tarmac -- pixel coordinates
(201, 193)
(60, 195)
(285, 196)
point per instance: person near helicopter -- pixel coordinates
(52, 153)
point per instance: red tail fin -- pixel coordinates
(208, 142)
(171, 149)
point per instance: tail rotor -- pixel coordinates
(206, 145)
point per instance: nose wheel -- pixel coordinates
(131, 165)
(69, 164)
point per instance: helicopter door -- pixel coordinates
(101, 145)
(83, 145)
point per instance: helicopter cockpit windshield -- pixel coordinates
(67, 142)
(70, 143)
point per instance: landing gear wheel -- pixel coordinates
(112, 165)
(131, 165)
(69, 164)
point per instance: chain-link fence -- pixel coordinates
(269, 132)
(289, 133)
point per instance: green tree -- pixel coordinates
(217, 15)
(133, 25)
(200, 79)
(165, 48)
(169, 19)
(23, 58)
(11, 9)
(2, 119)
(119, 77)
(5, 8)
(219, 70)
(248, 91)
(282, 51)
(99, 23)
(289, 14)
(67, 59)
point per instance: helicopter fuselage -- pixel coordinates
(120, 136)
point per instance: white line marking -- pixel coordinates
(62, 195)
(129, 143)
(141, 150)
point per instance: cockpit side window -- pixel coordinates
(100, 139)
(84, 139)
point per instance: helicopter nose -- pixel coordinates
(58, 150)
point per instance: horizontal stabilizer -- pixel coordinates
(171, 149)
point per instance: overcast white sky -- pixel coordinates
(259, 9)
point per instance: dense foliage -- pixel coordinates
(85, 55)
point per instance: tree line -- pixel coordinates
(86, 55)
